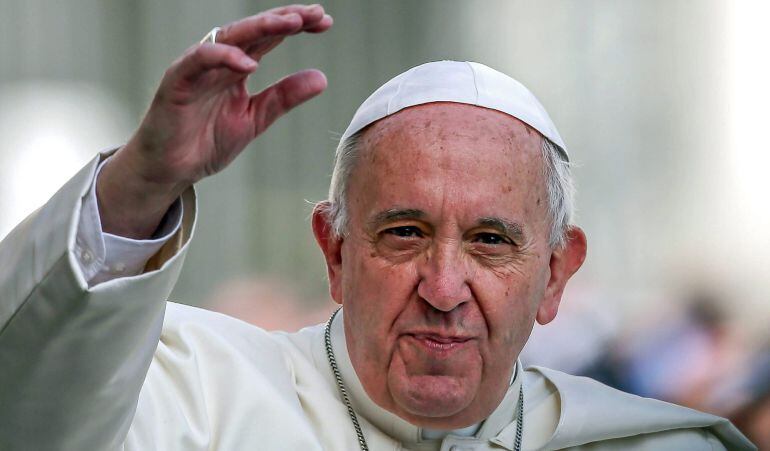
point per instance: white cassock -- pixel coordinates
(114, 366)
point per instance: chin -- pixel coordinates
(433, 397)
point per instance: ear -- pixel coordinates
(331, 246)
(564, 263)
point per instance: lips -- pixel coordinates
(440, 343)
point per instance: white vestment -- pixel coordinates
(115, 366)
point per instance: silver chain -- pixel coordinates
(352, 413)
(340, 385)
(519, 419)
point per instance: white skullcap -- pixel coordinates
(461, 82)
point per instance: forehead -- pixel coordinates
(450, 155)
(486, 134)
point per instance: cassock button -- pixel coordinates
(86, 256)
(118, 268)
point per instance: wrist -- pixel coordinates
(131, 204)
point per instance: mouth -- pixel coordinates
(440, 343)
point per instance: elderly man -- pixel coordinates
(446, 235)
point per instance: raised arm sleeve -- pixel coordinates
(72, 357)
(103, 256)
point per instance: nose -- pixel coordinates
(444, 279)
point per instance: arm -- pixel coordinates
(102, 256)
(72, 357)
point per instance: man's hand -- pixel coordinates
(202, 117)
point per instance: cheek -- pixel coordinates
(507, 338)
(510, 308)
(368, 277)
(375, 292)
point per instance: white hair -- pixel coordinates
(556, 169)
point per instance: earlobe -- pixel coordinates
(331, 247)
(564, 263)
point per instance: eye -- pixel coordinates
(404, 232)
(401, 242)
(491, 239)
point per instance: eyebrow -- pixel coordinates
(509, 228)
(512, 229)
(394, 214)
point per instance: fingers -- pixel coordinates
(277, 23)
(242, 43)
(278, 99)
(205, 57)
(324, 24)
(289, 9)
(302, 10)
(247, 31)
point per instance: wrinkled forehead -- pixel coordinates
(497, 134)
(464, 161)
(449, 145)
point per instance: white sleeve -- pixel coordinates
(102, 256)
(74, 357)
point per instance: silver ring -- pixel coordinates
(211, 36)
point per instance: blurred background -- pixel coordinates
(662, 104)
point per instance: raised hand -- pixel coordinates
(203, 116)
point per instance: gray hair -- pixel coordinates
(556, 168)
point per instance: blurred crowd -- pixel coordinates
(692, 353)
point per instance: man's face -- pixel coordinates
(446, 262)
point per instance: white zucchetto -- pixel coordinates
(460, 82)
